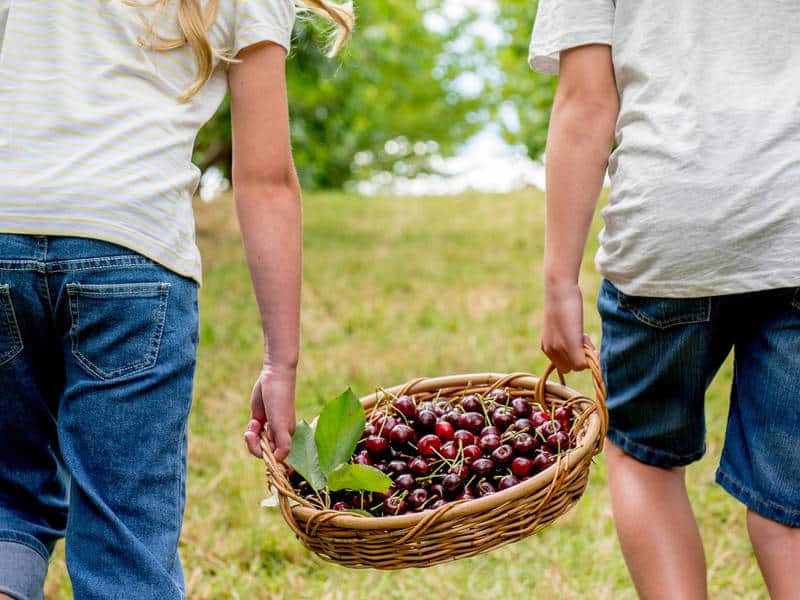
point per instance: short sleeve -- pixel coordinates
(564, 24)
(263, 21)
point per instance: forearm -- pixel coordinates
(270, 218)
(578, 146)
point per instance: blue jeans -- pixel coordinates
(97, 358)
(660, 354)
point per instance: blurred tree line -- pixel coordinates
(392, 99)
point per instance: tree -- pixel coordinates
(529, 94)
(384, 100)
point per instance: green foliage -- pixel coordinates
(358, 477)
(339, 428)
(303, 456)
(321, 456)
(531, 94)
(392, 81)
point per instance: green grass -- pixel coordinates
(396, 288)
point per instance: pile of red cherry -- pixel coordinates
(444, 450)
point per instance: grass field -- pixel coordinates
(396, 288)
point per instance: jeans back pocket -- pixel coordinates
(666, 312)
(116, 329)
(10, 337)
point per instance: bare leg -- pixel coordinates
(5, 597)
(777, 549)
(656, 528)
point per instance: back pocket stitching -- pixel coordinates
(13, 326)
(697, 316)
(151, 357)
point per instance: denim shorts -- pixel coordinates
(659, 356)
(97, 358)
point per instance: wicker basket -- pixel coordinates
(467, 527)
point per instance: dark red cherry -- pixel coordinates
(502, 418)
(503, 454)
(387, 426)
(394, 505)
(436, 490)
(449, 450)
(471, 453)
(406, 406)
(419, 466)
(452, 483)
(520, 407)
(490, 429)
(524, 444)
(397, 467)
(558, 441)
(499, 396)
(437, 504)
(369, 430)
(471, 403)
(489, 442)
(445, 430)
(507, 481)
(483, 466)
(429, 445)
(542, 460)
(441, 408)
(402, 435)
(405, 481)
(417, 497)
(521, 466)
(523, 425)
(341, 506)
(453, 417)
(465, 495)
(564, 416)
(376, 445)
(539, 418)
(472, 421)
(426, 420)
(467, 438)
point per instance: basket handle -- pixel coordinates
(599, 390)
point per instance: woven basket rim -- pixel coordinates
(586, 446)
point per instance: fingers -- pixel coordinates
(566, 356)
(252, 437)
(282, 444)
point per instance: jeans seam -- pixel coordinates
(690, 319)
(655, 451)
(752, 495)
(6, 539)
(11, 320)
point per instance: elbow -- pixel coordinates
(277, 182)
(586, 120)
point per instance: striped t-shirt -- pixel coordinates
(93, 141)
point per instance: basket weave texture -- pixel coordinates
(462, 528)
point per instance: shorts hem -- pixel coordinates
(652, 456)
(22, 570)
(762, 506)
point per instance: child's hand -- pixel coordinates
(562, 330)
(272, 406)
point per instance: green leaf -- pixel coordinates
(339, 428)
(303, 456)
(358, 477)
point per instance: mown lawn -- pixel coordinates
(397, 288)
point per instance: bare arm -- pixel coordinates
(578, 146)
(267, 197)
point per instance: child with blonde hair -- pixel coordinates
(100, 103)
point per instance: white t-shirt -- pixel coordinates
(93, 141)
(705, 178)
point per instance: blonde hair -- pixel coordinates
(195, 20)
